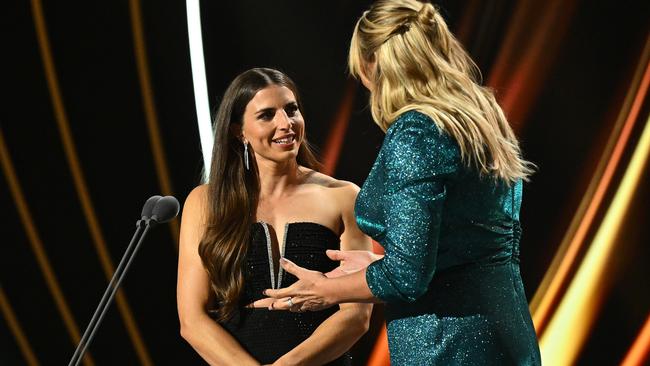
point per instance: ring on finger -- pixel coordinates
(290, 302)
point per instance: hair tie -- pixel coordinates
(426, 14)
(402, 28)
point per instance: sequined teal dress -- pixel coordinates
(450, 278)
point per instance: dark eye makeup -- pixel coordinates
(291, 109)
(267, 114)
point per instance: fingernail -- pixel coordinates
(264, 292)
(282, 260)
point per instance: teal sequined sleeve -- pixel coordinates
(450, 277)
(417, 161)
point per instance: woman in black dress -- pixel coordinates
(264, 200)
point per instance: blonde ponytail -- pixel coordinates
(421, 66)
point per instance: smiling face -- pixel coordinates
(273, 124)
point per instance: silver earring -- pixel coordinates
(246, 155)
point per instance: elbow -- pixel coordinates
(411, 291)
(412, 294)
(357, 328)
(186, 332)
(406, 285)
(364, 327)
(187, 329)
(361, 323)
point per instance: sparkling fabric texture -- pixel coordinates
(450, 277)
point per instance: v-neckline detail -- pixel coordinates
(281, 248)
(281, 251)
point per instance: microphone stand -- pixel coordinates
(113, 285)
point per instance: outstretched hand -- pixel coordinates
(351, 261)
(308, 293)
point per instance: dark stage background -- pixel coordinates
(99, 114)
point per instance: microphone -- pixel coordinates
(148, 207)
(165, 209)
(156, 210)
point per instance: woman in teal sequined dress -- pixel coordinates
(442, 198)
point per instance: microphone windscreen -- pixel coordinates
(147, 209)
(165, 209)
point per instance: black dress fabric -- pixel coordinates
(266, 334)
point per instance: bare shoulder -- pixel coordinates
(198, 196)
(193, 220)
(196, 202)
(342, 189)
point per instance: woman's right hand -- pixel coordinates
(352, 261)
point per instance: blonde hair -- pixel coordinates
(421, 66)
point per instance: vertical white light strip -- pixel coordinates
(200, 83)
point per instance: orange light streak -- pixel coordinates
(335, 139)
(38, 248)
(542, 312)
(570, 325)
(148, 101)
(17, 330)
(518, 76)
(638, 353)
(527, 77)
(79, 181)
(512, 44)
(379, 355)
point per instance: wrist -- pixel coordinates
(287, 360)
(327, 292)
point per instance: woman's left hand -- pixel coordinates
(351, 261)
(308, 293)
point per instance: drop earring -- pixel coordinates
(246, 155)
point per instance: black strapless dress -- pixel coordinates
(265, 334)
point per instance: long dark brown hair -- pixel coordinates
(233, 191)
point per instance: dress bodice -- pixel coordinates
(267, 335)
